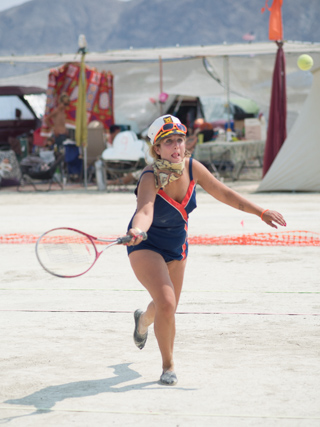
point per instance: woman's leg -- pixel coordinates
(164, 283)
(176, 271)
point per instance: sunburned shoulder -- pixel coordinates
(200, 173)
(147, 174)
(146, 186)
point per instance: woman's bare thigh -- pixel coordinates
(158, 277)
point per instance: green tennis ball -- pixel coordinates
(305, 62)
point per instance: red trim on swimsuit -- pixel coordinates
(184, 246)
(188, 196)
(179, 206)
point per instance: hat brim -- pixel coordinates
(169, 132)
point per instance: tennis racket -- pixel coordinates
(66, 252)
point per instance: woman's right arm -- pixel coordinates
(145, 206)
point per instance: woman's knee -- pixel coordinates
(166, 306)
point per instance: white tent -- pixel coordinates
(297, 165)
(200, 71)
(184, 72)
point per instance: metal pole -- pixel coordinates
(161, 84)
(81, 124)
(227, 90)
(85, 161)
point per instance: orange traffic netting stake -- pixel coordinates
(282, 238)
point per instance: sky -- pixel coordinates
(6, 4)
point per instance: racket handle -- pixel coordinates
(128, 238)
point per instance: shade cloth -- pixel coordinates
(297, 165)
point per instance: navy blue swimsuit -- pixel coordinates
(168, 234)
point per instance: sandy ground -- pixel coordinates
(247, 348)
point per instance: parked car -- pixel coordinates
(21, 110)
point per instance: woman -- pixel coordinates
(165, 197)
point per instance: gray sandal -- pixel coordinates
(139, 339)
(168, 378)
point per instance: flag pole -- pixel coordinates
(81, 112)
(161, 82)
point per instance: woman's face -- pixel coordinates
(172, 148)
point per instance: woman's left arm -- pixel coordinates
(230, 197)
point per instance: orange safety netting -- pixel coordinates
(282, 238)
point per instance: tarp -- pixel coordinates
(297, 165)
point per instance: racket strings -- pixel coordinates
(66, 255)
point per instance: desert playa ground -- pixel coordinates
(247, 349)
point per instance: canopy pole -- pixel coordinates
(84, 141)
(85, 162)
(161, 83)
(81, 111)
(227, 90)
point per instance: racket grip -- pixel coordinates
(144, 235)
(128, 238)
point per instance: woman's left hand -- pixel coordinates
(272, 218)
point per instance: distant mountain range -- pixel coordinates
(46, 26)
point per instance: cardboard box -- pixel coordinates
(238, 125)
(254, 130)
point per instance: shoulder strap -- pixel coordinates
(190, 169)
(149, 170)
(136, 190)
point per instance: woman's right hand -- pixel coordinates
(137, 236)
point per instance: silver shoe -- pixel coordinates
(168, 378)
(139, 339)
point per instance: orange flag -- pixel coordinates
(275, 22)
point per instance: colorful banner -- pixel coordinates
(99, 97)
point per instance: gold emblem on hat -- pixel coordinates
(168, 120)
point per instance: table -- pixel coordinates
(237, 153)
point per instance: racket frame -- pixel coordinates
(114, 241)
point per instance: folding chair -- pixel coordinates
(35, 176)
(72, 162)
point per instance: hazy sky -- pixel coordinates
(6, 4)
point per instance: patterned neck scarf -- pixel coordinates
(166, 172)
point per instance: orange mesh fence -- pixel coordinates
(31, 238)
(282, 238)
